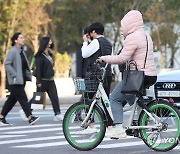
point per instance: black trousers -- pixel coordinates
(50, 87)
(17, 93)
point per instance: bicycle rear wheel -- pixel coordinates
(167, 137)
(91, 135)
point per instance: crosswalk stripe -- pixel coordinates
(11, 136)
(32, 139)
(101, 146)
(46, 111)
(43, 145)
(177, 147)
(33, 131)
(29, 126)
(106, 146)
(44, 130)
(116, 145)
(39, 130)
(126, 144)
(66, 143)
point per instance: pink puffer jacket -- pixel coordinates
(135, 44)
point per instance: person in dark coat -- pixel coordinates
(97, 47)
(45, 74)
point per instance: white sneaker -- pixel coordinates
(88, 131)
(23, 116)
(116, 133)
(58, 117)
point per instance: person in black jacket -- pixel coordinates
(97, 47)
(45, 74)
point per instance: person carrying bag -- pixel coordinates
(134, 48)
(44, 72)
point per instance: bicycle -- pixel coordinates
(158, 123)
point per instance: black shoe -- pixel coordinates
(3, 122)
(33, 120)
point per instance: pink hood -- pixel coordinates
(131, 22)
(135, 44)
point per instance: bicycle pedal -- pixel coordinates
(136, 133)
(129, 132)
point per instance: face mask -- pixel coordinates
(51, 46)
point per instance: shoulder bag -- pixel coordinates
(38, 100)
(133, 80)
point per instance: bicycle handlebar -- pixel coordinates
(98, 64)
(101, 68)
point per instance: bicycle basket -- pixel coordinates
(79, 84)
(86, 85)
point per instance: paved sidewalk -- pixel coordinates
(63, 100)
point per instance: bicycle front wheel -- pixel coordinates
(166, 137)
(91, 134)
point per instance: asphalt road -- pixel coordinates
(46, 137)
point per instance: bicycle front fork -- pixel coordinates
(88, 114)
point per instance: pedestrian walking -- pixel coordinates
(18, 72)
(44, 62)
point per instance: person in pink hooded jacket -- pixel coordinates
(134, 48)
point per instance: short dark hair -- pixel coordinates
(97, 27)
(15, 37)
(86, 30)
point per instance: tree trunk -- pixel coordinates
(160, 48)
(172, 57)
(3, 81)
(35, 42)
